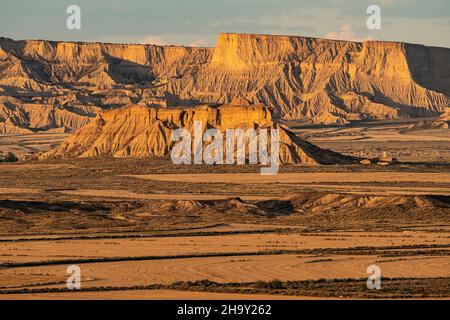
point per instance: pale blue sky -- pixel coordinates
(198, 22)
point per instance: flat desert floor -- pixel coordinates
(147, 229)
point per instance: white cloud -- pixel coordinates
(346, 33)
(159, 40)
(298, 18)
(190, 40)
(389, 3)
(199, 42)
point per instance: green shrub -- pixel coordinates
(274, 284)
(10, 157)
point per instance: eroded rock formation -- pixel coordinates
(325, 81)
(140, 131)
(446, 115)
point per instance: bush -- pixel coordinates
(10, 157)
(274, 284)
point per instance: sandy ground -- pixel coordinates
(142, 180)
(26, 251)
(310, 177)
(158, 196)
(373, 189)
(149, 295)
(380, 131)
(127, 194)
(344, 182)
(228, 269)
(23, 143)
(234, 268)
(370, 139)
(20, 190)
(23, 166)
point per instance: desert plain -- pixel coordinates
(364, 181)
(148, 229)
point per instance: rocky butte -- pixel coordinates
(49, 85)
(141, 131)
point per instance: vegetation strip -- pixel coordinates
(343, 288)
(162, 235)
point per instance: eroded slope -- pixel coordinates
(324, 81)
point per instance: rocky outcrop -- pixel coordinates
(296, 77)
(28, 117)
(327, 118)
(446, 115)
(140, 131)
(429, 125)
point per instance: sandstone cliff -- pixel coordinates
(140, 131)
(325, 81)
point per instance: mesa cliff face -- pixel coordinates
(324, 81)
(140, 131)
(302, 77)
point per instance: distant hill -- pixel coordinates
(48, 84)
(140, 131)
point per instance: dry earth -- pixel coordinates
(137, 226)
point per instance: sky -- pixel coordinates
(198, 22)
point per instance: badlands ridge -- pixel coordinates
(141, 131)
(61, 86)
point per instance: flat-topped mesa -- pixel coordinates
(89, 52)
(100, 64)
(240, 52)
(243, 51)
(319, 80)
(140, 131)
(302, 77)
(236, 51)
(428, 67)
